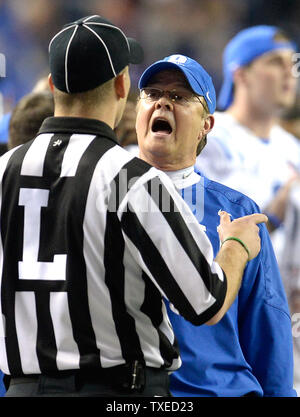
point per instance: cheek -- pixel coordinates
(263, 80)
(263, 85)
(193, 123)
(142, 121)
(271, 79)
(137, 122)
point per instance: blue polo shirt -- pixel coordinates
(4, 127)
(2, 388)
(250, 350)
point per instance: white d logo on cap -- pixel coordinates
(178, 59)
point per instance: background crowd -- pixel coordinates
(199, 29)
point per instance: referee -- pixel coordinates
(92, 239)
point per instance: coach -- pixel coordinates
(88, 246)
(249, 352)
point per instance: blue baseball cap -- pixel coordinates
(199, 80)
(243, 48)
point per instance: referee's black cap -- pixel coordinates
(88, 52)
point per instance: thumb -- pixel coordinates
(224, 217)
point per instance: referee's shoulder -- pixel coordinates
(141, 167)
(9, 153)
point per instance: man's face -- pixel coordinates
(168, 132)
(270, 81)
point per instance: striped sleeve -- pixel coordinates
(170, 246)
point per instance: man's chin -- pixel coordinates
(161, 136)
(158, 151)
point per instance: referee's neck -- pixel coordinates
(103, 116)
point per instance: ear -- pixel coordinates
(239, 76)
(50, 81)
(120, 85)
(208, 124)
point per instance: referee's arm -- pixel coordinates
(171, 247)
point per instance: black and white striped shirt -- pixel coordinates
(91, 241)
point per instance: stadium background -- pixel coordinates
(198, 28)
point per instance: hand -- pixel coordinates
(232, 257)
(244, 228)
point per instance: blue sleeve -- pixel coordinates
(265, 324)
(4, 128)
(2, 388)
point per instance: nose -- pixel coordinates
(165, 103)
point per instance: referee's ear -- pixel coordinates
(120, 85)
(51, 85)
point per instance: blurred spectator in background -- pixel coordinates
(41, 85)
(255, 155)
(163, 26)
(290, 119)
(25, 28)
(27, 117)
(289, 261)
(3, 118)
(248, 149)
(290, 269)
(4, 124)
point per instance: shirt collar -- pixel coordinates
(77, 125)
(183, 177)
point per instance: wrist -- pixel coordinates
(237, 243)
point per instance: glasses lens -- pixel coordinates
(152, 93)
(179, 97)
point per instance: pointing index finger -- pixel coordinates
(258, 218)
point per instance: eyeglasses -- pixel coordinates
(178, 97)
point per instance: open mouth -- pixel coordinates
(161, 125)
